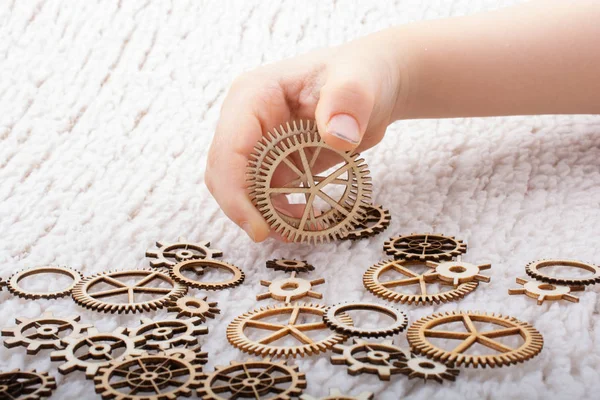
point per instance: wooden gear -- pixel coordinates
(189, 306)
(290, 265)
(168, 333)
(335, 394)
(375, 221)
(543, 291)
(290, 289)
(169, 254)
(85, 296)
(333, 322)
(534, 270)
(253, 379)
(372, 280)
(262, 347)
(26, 385)
(424, 247)
(426, 369)
(193, 355)
(276, 149)
(198, 267)
(17, 290)
(458, 271)
(500, 354)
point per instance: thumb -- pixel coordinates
(345, 105)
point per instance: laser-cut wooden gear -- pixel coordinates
(534, 270)
(264, 379)
(373, 282)
(43, 332)
(335, 394)
(148, 378)
(275, 150)
(262, 347)
(424, 247)
(168, 333)
(333, 322)
(188, 306)
(370, 357)
(458, 271)
(26, 385)
(542, 291)
(375, 221)
(286, 265)
(290, 289)
(85, 296)
(427, 369)
(500, 354)
(17, 290)
(169, 254)
(198, 266)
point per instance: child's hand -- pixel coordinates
(351, 91)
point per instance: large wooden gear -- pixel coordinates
(26, 385)
(14, 287)
(535, 270)
(418, 335)
(301, 140)
(424, 247)
(169, 254)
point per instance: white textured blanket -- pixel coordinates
(106, 113)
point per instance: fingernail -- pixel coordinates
(345, 127)
(248, 229)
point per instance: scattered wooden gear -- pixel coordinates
(458, 271)
(426, 369)
(331, 318)
(198, 267)
(148, 378)
(375, 221)
(169, 254)
(543, 291)
(370, 357)
(26, 385)
(373, 282)
(418, 335)
(290, 265)
(534, 270)
(253, 379)
(237, 335)
(17, 290)
(301, 141)
(290, 289)
(335, 394)
(424, 247)
(44, 332)
(188, 306)
(168, 333)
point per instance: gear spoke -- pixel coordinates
(446, 334)
(513, 330)
(274, 336)
(493, 344)
(264, 325)
(465, 344)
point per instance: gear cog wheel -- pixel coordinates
(188, 306)
(533, 269)
(285, 265)
(26, 385)
(169, 254)
(376, 220)
(542, 291)
(44, 332)
(290, 289)
(193, 355)
(169, 333)
(17, 290)
(335, 394)
(199, 266)
(253, 379)
(426, 369)
(331, 320)
(424, 247)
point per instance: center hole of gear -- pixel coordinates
(546, 286)
(290, 286)
(458, 269)
(426, 365)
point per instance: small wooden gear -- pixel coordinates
(424, 247)
(290, 265)
(44, 332)
(290, 289)
(85, 295)
(370, 357)
(17, 290)
(534, 270)
(335, 394)
(169, 254)
(458, 271)
(259, 320)
(297, 148)
(426, 369)
(168, 333)
(375, 221)
(374, 283)
(188, 306)
(148, 378)
(333, 322)
(253, 379)
(199, 266)
(418, 335)
(543, 291)
(26, 385)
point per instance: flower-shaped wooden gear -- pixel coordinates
(290, 289)
(26, 385)
(188, 306)
(169, 254)
(426, 369)
(457, 272)
(542, 291)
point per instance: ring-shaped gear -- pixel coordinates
(168, 333)
(43, 332)
(169, 254)
(262, 347)
(344, 212)
(533, 269)
(26, 385)
(155, 377)
(333, 322)
(17, 290)
(501, 354)
(287, 265)
(94, 350)
(542, 291)
(427, 369)
(253, 379)
(424, 247)
(335, 394)
(370, 357)
(189, 306)
(198, 267)
(84, 295)
(375, 221)
(373, 282)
